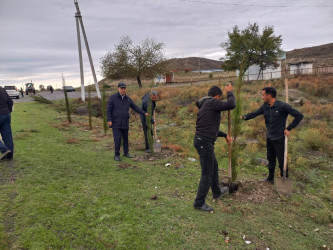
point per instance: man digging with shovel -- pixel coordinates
(207, 131)
(275, 113)
(150, 97)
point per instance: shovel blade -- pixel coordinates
(284, 186)
(157, 147)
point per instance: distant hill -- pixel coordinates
(321, 55)
(193, 63)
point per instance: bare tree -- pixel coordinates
(129, 60)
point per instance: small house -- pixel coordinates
(159, 79)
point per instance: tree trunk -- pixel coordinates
(138, 78)
(259, 74)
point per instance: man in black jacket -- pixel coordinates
(275, 113)
(207, 131)
(148, 98)
(6, 107)
(118, 118)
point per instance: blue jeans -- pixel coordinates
(6, 134)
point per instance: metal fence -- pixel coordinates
(213, 76)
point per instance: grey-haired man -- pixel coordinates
(118, 118)
(146, 99)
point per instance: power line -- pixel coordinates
(256, 5)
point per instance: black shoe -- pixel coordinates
(148, 150)
(224, 191)
(4, 154)
(204, 207)
(267, 180)
(117, 158)
(128, 156)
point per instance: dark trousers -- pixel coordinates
(275, 149)
(6, 134)
(145, 131)
(117, 135)
(209, 170)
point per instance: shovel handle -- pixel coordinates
(155, 134)
(229, 145)
(285, 159)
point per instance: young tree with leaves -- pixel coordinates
(89, 108)
(130, 60)
(105, 121)
(249, 47)
(68, 106)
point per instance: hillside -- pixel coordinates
(320, 55)
(193, 63)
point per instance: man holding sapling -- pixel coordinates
(275, 113)
(118, 119)
(207, 131)
(148, 104)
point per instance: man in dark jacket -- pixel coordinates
(6, 107)
(207, 131)
(118, 118)
(275, 113)
(146, 100)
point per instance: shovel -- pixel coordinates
(157, 143)
(233, 187)
(284, 185)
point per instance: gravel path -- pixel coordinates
(57, 95)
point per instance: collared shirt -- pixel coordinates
(276, 117)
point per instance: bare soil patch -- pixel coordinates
(256, 192)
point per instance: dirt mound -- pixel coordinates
(256, 192)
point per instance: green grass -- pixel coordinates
(57, 194)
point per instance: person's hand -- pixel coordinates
(146, 114)
(109, 123)
(228, 88)
(228, 139)
(287, 133)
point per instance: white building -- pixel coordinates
(253, 73)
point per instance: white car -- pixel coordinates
(12, 91)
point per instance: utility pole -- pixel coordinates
(79, 23)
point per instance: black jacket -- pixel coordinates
(6, 103)
(276, 117)
(209, 116)
(118, 110)
(144, 107)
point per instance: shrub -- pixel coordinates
(314, 139)
(41, 99)
(302, 162)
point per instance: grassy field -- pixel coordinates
(64, 190)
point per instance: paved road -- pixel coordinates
(57, 95)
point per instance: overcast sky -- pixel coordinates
(38, 38)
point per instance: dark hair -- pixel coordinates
(214, 91)
(270, 91)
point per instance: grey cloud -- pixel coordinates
(38, 37)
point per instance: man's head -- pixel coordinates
(153, 95)
(122, 88)
(215, 92)
(268, 93)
